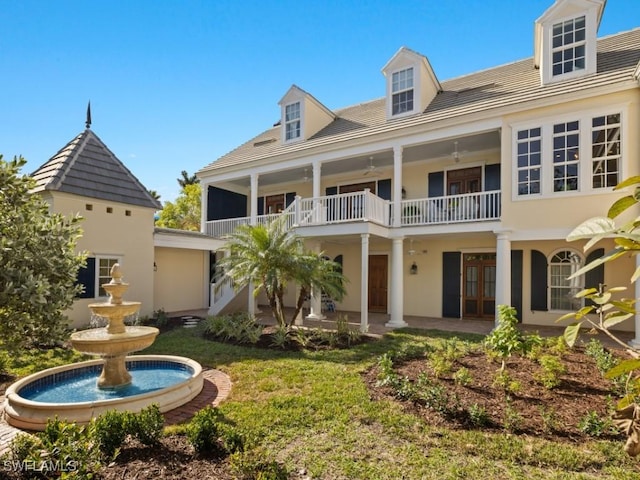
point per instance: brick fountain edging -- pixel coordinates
(216, 387)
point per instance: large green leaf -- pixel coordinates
(635, 180)
(623, 367)
(620, 206)
(615, 318)
(607, 257)
(571, 333)
(593, 229)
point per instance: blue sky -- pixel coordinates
(174, 85)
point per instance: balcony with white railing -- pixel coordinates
(366, 207)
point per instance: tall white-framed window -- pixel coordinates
(103, 272)
(605, 150)
(566, 156)
(568, 46)
(529, 161)
(292, 121)
(562, 290)
(402, 91)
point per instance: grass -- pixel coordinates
(312, 411)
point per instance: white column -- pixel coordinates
(204, 206)
(397, 185)
(503, 271)
(397, 276)
(317, 167)
(315, 304)
(254, 198)
(364, 281)
(635, 343)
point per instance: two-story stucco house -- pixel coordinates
(446, 198)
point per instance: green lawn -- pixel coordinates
(311, 411)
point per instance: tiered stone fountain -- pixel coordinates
(116, 340)
(167, 381)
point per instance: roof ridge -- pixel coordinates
(72, 159)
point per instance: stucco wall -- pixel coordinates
(180, 279)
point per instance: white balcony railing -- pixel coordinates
(468, 207)
(367, 207)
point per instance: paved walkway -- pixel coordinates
(216, 387)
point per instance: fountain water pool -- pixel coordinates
(82, 391)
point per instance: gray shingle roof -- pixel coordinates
(503, 87)
(86, 167)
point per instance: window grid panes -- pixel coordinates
(104, 274)
(605, 150)
(292, 121)
(562, 290)
(529, 161)
(568, 46)
(402, 91)
(566, 156)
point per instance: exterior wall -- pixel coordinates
(117, 235)
(179, 282)
(567, 210)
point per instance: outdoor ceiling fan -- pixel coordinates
(457, 154)
(371, 168)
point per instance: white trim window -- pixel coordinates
(568, 46)
(566, 156)
(402, 91)
(103, 273)
(562, 290)
(292, 121)
(605, 150)
(529, 161)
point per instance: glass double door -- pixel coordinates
(479, 285)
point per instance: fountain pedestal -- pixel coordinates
(116, 340)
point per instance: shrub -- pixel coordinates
(280, 337)
(110, 431)
(240, 327)
(594, 425)
(255, 465)
(462, 377)
(478, 416)
(549, 419)
(506, 339)
(552, 368)
(203, 431)
(147, 425)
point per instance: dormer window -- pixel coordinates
(569, 46)
(292, 121)
(402, 91)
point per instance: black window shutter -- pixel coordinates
(436, 184)
(289, 198)
(492, 177)
(451, 284)
(384, 189)
(260, 205)
(331, 190)
(87, 278)
(516, 282)
(538, 281)
(593, 278)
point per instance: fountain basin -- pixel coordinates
(99, 341)
(29, 414)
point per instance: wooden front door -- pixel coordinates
(274, 203)
(464, 180)
(479, 285)
(377, 283)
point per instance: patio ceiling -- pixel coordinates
(383, 161)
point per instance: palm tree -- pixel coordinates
(271, 256)
(187, 179)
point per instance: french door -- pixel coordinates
(479, 285)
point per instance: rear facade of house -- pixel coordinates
(448, 198)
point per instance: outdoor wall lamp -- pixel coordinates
(413, 269)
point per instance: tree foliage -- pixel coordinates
(272, 257)
(605, 308)
(184, 214)
(185, 179)
(38, 263)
